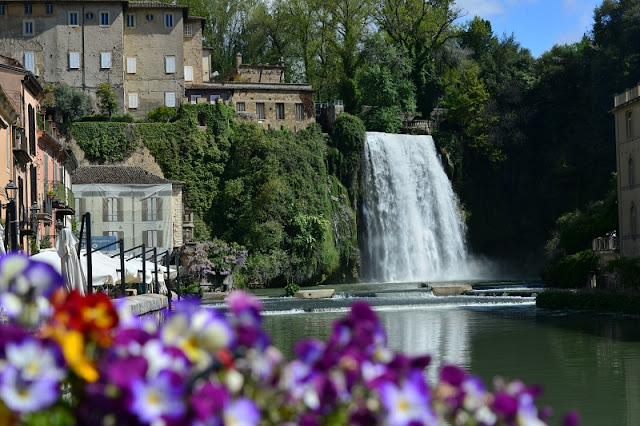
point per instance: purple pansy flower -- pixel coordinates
(160, 397)
(242, 412)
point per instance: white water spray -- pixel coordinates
(413, 229)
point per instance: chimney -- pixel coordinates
(238, 60)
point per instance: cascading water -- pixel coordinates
(413, 230)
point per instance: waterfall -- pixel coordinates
(412, 229)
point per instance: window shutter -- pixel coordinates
(145, 241)
(188, 73)
(105, 209)
(170, 64)
(159, 243)
(29, 62)
(133, 100)
(82, 206)
(74, 60)
(121, 235)
(120, 210)
(159, 207)
(105, 60)
(145, 209)
(131, 65)
(170, 99)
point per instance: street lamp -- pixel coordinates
(11, 190)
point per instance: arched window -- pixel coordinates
(634, 222)
(632, 172)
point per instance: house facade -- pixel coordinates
(259, 94)
(27, 143)
(141, 49)
(626, 113)
(131, 203)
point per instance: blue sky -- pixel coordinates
(537, 24)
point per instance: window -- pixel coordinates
(131, 20)
(280, 111)
(260, 110)
(213, 98)
(194, 99)
(29, 62)
(634, 222)
(104, 19)
(27, 27)
(2, 10)
(152, 238)
(28, 9)
(111, 210)
(74, 60)
(105, 60)
(170, 99)
(48, 8)
(168, 20)
(299, 112)
(118, 234)
(73, 19)
(170, 64)
(131, 65)
(149, 17)
(89, 16)
(630, 124)
(133, 100)
(151, 209)
(188, 73)
(187, 29)
(240, 107)
(632, 172)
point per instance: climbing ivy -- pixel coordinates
(105, 142)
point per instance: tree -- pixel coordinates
(107, 101)
(72, 103)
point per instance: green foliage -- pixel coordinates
(627, 271)
(349, 136)
(595, 301)
(383, 119)
(571, 271)
(273, 199)
(127, 118)
(105, 142)
(162, 114)
(72, 103)
(291, 289)
(33, 246)
(107, 101)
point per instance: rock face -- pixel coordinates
(315, 294)
(450, 289)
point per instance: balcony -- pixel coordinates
(60, 197)
(21, 148)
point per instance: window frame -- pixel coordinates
(75, 55)
(241, 106)
(76, 14)
(105, 60)
(101, 15)
(135, 104)
(188, 76)
(130, 18)
(299, 112)
(260, 111)
(112, 209)
(280, 115)
(132, 60)
(170, 96)
(3, 9)
(32, 55)
(28, 24)
(28, 8)
(169, 64)
(188, 30)
(168, 20)
(48, 8)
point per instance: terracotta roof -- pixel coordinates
(154, 4)
(278, 87)
(122, 175)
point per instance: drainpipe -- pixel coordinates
(84, 82)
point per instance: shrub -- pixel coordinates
(291, 289)
(72, 103)
(162, 114)
(571, 271)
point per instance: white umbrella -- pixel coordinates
(50, 257)
(71, 269)
(107, 269)
(2, 250)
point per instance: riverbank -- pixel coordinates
(623, 302)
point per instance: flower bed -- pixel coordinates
(203, 367)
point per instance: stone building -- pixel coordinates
(259, 94)
(626, 112)
(131, 203)
(144, 50)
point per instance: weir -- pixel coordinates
(412, 225)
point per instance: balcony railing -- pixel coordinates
(626, 96)
(21, 147)
(61, 196)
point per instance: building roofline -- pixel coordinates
(286, 87)
(30, 80)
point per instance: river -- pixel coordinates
(584, 361)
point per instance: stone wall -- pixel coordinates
(271, 99)
(193, 50)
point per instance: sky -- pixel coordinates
(537, 24)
